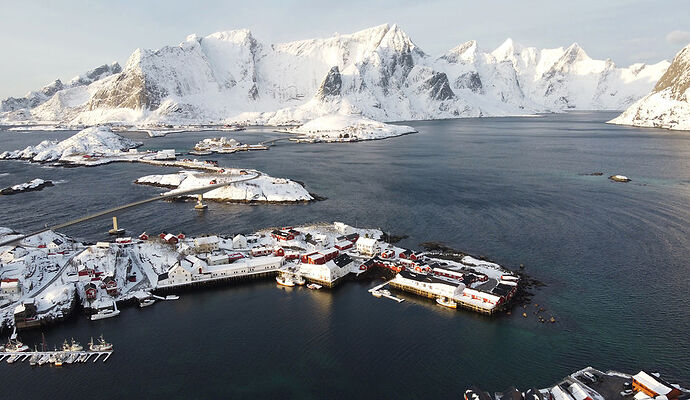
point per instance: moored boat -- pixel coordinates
(146, 302)
(172, 297)
(314, 286)
(299, 280)
(101, 345)
(376, 293)
(285, 280)
(446, 302)
(15, 346)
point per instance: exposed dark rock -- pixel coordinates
(331, 85)
(469, 80)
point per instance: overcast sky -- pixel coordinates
(45, 40)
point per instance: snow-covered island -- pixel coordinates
(31, 186)
(94, 142)
(668, 104)
(44, 276)
(262, 188)
(348, 128)
(223, 145)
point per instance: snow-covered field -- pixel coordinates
(349, 128)
(263, 188)
(51, 271)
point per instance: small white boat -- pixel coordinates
(314, 286)
(385, 292)
(146, 302)
(172, 297)
(299, 280)
(33, 360)
(44, 359)
(376, 293)
(446, 302)
(12, 358)
(285, 280)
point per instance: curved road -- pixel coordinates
(174, 193)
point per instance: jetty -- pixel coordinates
(67, 357)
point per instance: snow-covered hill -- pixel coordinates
(380, 73)
(668, 105)
(349, 128)
(262, 189)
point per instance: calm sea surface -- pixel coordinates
(614, 257)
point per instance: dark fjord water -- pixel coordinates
(614, 257)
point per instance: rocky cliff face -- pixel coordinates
(378, 72)
(667, 105)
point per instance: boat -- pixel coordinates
(299, 280)
(15, 346)
(314, 286)
(385, 292)
(12, 358)
(146, 302)
(106, 313)
(172, 297)
(43, 359)
(59, 358)
(285, 280)
(33, 360)
(200, 152)
(376, 293)
(51, 358)
(71, 357)
(75, 346)
(102, 345)
(446, 302)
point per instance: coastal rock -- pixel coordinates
(31, 186)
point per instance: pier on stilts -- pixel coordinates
(67, 357)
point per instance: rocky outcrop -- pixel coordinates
(331, 85)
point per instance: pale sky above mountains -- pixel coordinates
(44, 40)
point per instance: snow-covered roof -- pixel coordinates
(217, 257)
(368, 242)
(652, 383)
(578, 391)
(206, 240)
(9, 285)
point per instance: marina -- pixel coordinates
(58, 357)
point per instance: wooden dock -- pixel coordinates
(75, 356)
(388, 296)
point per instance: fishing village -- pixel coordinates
(44, 276)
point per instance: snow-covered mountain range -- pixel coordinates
(668, 105)
(231, 77)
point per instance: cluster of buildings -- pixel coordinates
(591, 384)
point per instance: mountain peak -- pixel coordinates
(506, 50)
(463, 52)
